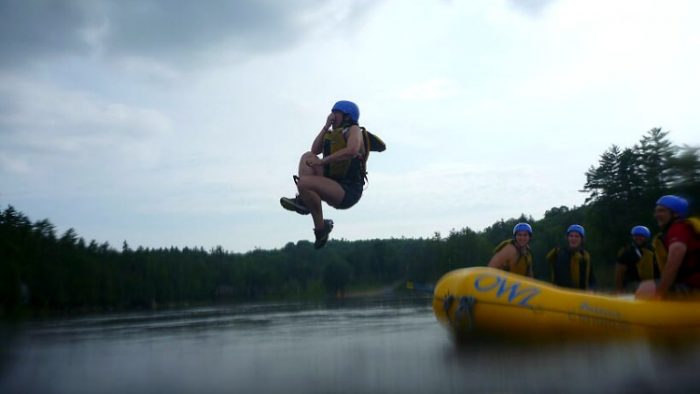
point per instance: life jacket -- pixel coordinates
(522, 265)
(647, 265)
(660, 248)
(355, 169)
(570, 269)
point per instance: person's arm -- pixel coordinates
(317, 145)
(352, 149)
(500, 259)
(626, 260)
(551, 258)
(676, 253)
(620, 271)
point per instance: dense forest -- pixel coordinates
(41, 271)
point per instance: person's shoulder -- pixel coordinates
(352, 130)
(510, 247)
(679, 231)
(631, 249)
(623, 251)
(502, 246)
(679, 225)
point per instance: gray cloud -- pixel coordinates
(40, 27)
(531, 7)
(40, 120)
(160, 29)
(164, 28)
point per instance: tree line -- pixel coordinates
(42, 271)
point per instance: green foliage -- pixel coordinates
(623, 189)
(42, 271)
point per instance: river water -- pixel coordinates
(388, 345)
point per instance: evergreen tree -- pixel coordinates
(684, 172)
(655, 151)
(40, 271)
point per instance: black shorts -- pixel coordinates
(353, 192)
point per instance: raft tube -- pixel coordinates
(482, 300)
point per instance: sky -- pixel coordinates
(164, 123)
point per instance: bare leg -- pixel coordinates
(310, 191)
(313, 189)
(308, 170)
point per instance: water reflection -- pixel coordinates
(378, 345)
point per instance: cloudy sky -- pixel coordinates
(180, 123)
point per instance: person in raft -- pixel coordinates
(514, 254)
(571, 266)
(636, 261)
(678, 253)
(339, 177)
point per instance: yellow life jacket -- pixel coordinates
(574, 267)
(660, 251)
(645, 265)
(646, 261)
(694, 223)
(354, 169)
(522, 265)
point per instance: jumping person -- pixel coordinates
(514, 254)
(338, 177)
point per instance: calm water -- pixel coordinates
(383, 346)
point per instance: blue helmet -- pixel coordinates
(641, 230)
(522, 227)
(577, 228)
(679, 205)
(349, 108)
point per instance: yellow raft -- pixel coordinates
(484, 300)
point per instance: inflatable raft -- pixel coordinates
(481, 300)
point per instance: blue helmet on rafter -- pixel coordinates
(348, 108)
(679, 205)
(522, 227)
(641, 230)
(576, 228)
